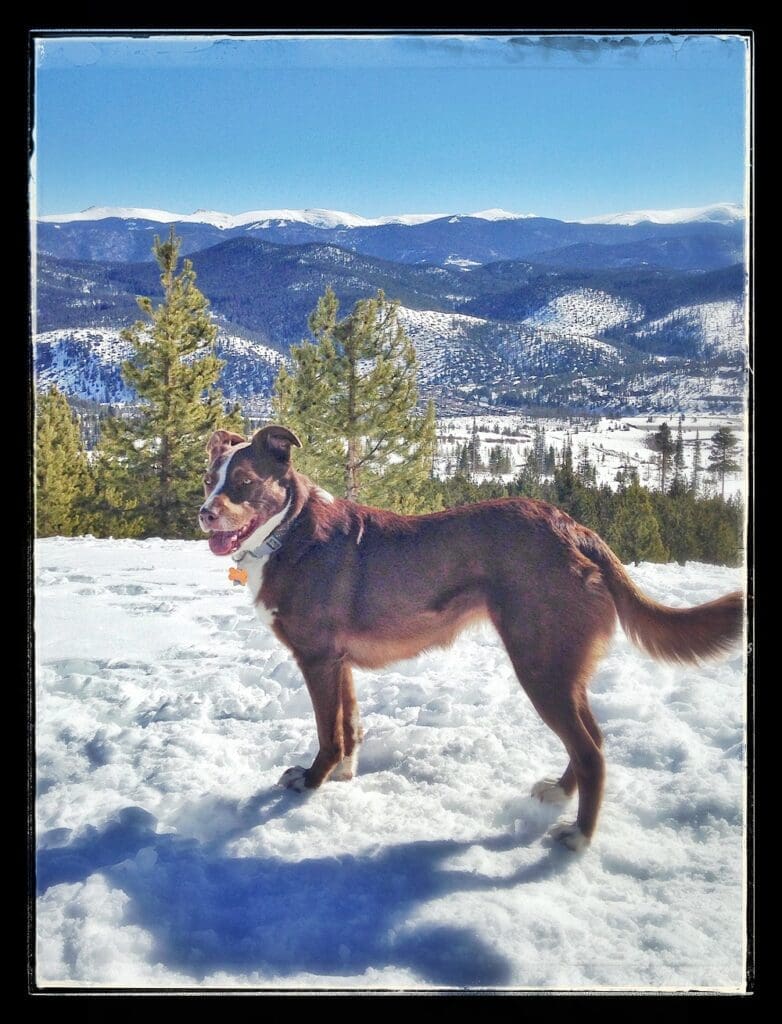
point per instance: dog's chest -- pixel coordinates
(255, 576)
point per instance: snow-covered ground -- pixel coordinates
(720, 326)
(585, 311)
(438, 337)
(165, 713)
(86, 362)
(612, 444)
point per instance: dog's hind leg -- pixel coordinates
(554, 677)
(559, 791)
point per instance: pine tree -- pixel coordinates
(587, 473)
(724, 447)
(351, 398)
(635, 532)
(539, 448)
(63, 480)
(678, 484)
(662, 443)
(474, 450)
(697, 466)
(151, 463)
(676, 513)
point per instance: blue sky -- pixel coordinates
(559, 126)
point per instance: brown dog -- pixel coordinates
(342, 584)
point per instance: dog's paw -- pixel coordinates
(345, 770)
(294, 778)
(549, 791)
(571, 835)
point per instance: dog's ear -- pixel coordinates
(275, 441)
(221, 441)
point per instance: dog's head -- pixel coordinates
(245, 485)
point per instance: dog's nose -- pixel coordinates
(206, 515)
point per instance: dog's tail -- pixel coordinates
(670, 634)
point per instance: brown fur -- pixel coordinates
(354, 585)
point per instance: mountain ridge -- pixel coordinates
(714, 212)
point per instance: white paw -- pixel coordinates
(346, 768)
(294, 778)
(549, 791)
(571, 835)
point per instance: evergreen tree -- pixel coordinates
(662, 443)
(720, 530)
(474, 450)
(539, 448)
(587, 473)
(697, 466)
(677, 514)
(635, 532)
(678, 484)
(528, 482)
(351, 398)
(722, 454)
(63, 480)
(151, 463)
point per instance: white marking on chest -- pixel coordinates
(256, 566)
(255, 574)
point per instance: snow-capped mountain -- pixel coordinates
(717, 213)
(86, 363)
(314, 217)
(720, 213)
(704, 242)
(585, 311)
(531, 330)
(716, 328)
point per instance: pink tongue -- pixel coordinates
(221, 542)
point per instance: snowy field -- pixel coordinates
(167, 856)
(612, 444)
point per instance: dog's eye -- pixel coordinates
(245, 482)
(207, 481)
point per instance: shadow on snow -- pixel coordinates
(325, 916)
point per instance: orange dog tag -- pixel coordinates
(239, 576)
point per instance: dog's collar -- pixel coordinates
(270, 545)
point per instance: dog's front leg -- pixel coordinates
(327, 678)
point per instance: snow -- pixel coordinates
(500, 215)
(585, 311)
(720, 213)
(438, 338)
(169, 858)
(613, 443)
(86, 362)
(719, 326)
(121, 212)
(265, 218)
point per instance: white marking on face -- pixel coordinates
(221, 476)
